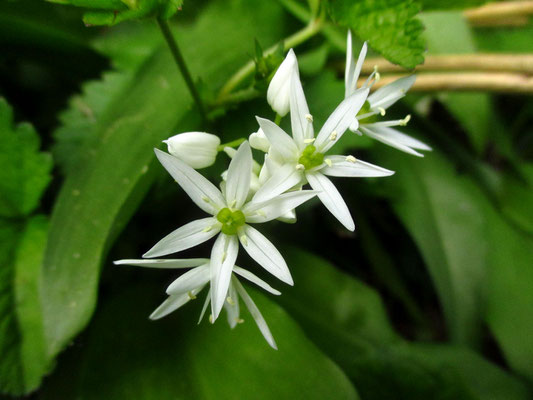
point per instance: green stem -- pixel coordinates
(277, 121)
(180, 62)
(233, 143)
(247, 70)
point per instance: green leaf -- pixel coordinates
(444, 213)
(390, 27)
(175, 358)
(23, 359)
(472, 110)
(451, 4)
(346, 319)
(87, 213)
(25, 172)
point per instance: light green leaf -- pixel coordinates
(23, 359)
(90, 208)
(176, 359)
(390, 27)
(25, 171)
(346, 319)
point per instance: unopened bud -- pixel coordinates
(259, 141)
(197, 149)
(278, 93)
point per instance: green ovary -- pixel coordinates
(310, 158)
(231, 220)
(365, 110)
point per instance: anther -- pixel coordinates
(328, 162)
(300, 167)
(191, 295)
(308, 141)
(239, 320)
(244, 240)
(382, 111)
(207, 228)
(261, 213)
(309, 117)
(404, 121)
(224, 256)
(232, 204)
(211, 318)
(230, 301)
(333, 136)
(351, 159)
(205, 198)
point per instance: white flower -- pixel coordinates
(280, 85)
(377, 104)
(230, 217)
(197, 149)
(302, 157)
(259, 141)
(191, 283)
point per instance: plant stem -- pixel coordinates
(247, 70)
(277, 121)
(233, 143)
(458, 62)
(496, 13)
(180, 62)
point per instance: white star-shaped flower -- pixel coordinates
(377, 104)
(302, 158)
(231, 216)
(191, 283)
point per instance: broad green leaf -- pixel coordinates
(346, 319)
(23, 359)
(444, 213)
(25, 171)
(175, 358)
(147, 111)
(472, 110)
(391, 27)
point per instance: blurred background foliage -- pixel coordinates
(430, 298)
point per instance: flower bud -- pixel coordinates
(259, 141)
(197, 149)
(278, 94)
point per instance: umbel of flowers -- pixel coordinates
(251, 194)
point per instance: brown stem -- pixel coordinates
(496, 13)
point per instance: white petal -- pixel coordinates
(341, 167)
(279, 140)
(302, 127)
(165, 263)
(185, 237)
(352, 69)
(289, 217)
(340, 120)
(259, 141)
(276, 207)
(238, 179)
(204, 194)
(223, 256)
(282, 180)
(254, 279)
(232, 308)
(190, 280)
(172, 303)
(331, 198)
(197, 149)
(395, 138)
(256, 314)
(206, 304)
(280, 85)
(389, 94)
(264, 253)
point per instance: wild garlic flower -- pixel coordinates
(366, 121)
(190, 284)
(302, 158)
(197, 149)
(230, 218)
(280, 85)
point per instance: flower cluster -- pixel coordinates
(251, 193)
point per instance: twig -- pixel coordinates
(497, 13)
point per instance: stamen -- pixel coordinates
(224, 256)
(230, 301)
(207, 228)
(191, 295)
(382, 111)
(211, 318)
(239, 320)
(333, 136)
(205, 198)
(328, 162)
(308, 141)
(309, 117)
(232, 204)
(261, 213)
(404, 121)
(300, 167)
(244, 240)
(351, 159)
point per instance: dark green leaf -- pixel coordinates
(175, 358)
(390, 27)
(451, 4)
(25, 172)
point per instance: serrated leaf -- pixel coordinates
(390, 27)
(25, 172)
(23, 359)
